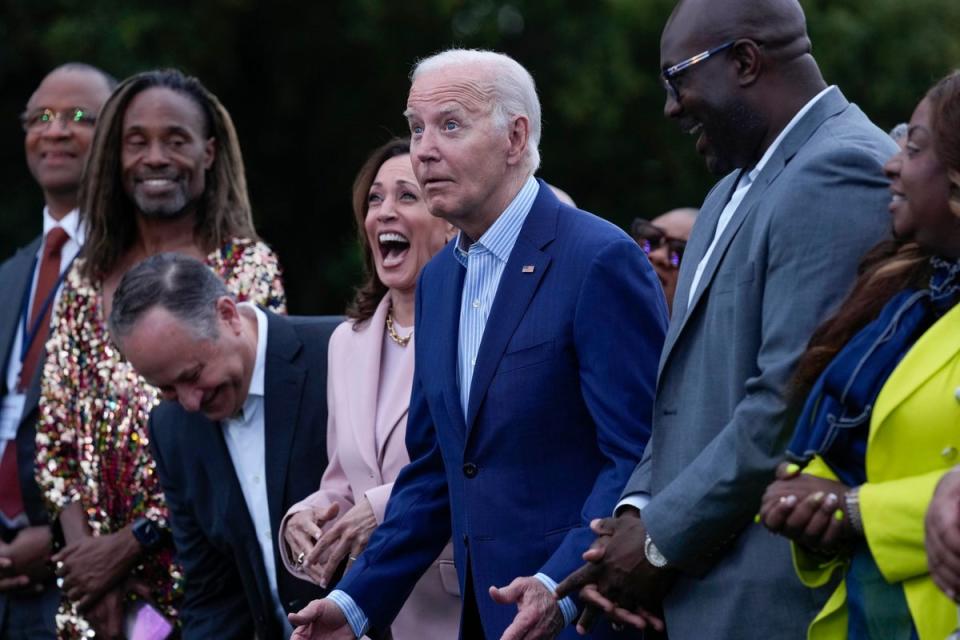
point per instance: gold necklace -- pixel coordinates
(392, 332)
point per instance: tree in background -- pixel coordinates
(313, 87)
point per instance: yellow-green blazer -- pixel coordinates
(914, 439)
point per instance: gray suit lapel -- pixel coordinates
(19, 276)
(700, 238)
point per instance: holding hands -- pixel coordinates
(809, 510)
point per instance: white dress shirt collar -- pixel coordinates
(69, 223)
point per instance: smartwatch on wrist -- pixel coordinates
(148, 533)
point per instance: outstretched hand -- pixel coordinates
(538, 614)
(320, 620)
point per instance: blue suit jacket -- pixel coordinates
(559, 414)
(226, 590)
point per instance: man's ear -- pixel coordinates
(209, 152)
(519, 136)
(746, 54)
(229, 315)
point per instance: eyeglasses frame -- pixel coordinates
(668, 74)
(67, 117)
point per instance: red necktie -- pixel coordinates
(11, 501)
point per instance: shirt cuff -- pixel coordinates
(567, 608)
(637, 500)
(356, 618)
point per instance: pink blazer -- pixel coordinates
(358, 468)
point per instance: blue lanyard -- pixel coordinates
(31, 335)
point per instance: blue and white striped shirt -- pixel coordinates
(485, 261)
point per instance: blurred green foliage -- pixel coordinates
(314, 86)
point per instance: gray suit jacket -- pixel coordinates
(787, 257)
(15, 276)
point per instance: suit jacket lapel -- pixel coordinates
(442, 338)
(514, 293)
(364, 382)
(283, 391)
(920, 363)
(700, 239)
(20, 277)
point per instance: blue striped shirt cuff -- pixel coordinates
(356, 618)
(567, 608)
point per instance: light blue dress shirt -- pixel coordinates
(485, 261)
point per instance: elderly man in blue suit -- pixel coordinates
(540, 327)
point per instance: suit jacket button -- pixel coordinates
(949, 453)
(470, 470)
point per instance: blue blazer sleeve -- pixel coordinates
(619, 329)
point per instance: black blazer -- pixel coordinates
(15, 276)
(227, 594)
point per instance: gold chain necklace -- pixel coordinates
(392, 332)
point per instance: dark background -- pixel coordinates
(313, 87)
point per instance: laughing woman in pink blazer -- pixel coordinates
(369, 378)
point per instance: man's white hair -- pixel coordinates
(514, 92)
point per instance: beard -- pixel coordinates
(171, 207)
(734, 138)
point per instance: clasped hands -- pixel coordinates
(617, 580)
(809, 510)
(318, 552)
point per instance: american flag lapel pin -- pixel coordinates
(527, 268)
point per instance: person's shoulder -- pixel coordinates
(588, 231)
(850, 136)
(24, 252)
(317, 331)
(167, 423)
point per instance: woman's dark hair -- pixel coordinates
(369, 294)
(890, 267)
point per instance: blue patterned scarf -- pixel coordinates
(836, 416)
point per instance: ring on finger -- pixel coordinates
(300, 557)
(616, 626)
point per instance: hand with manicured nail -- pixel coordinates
(807, 509)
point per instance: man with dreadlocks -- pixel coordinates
(165, 174)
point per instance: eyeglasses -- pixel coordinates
(41, 119)
(668, 75)
(651, 237)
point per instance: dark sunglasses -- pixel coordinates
(651, 237)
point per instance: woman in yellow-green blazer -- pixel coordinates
(879, 424)
(914, 439)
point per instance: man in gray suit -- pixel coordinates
(775, 247)
(58, 122)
